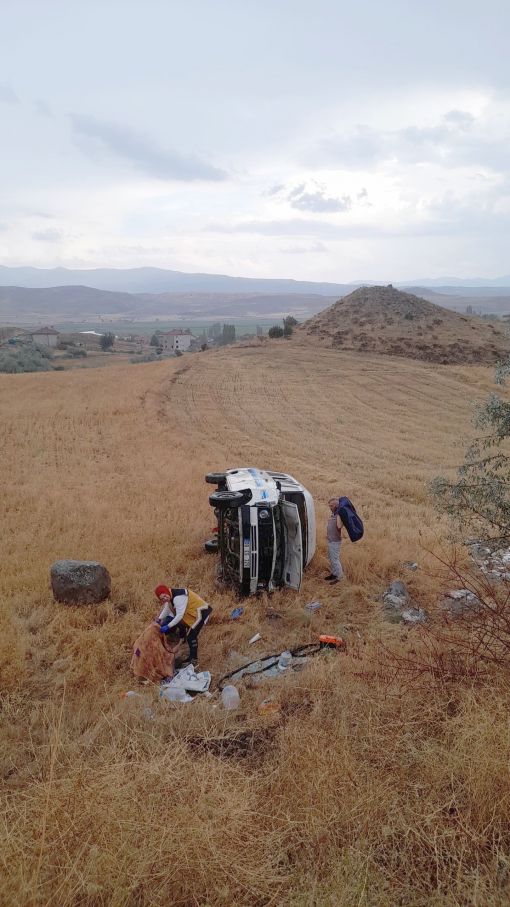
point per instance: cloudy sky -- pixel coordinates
(315, 139)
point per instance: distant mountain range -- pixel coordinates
(59, 294)
(453, 282)
(158, 280)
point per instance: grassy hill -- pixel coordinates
(390, 321)
(363, 789)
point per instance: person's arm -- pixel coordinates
(179, 602)
(339, 524)
(166, 612)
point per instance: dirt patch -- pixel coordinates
(246, 744)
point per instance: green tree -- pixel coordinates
(228, 334)
(24, 359)
(289, 323)
(276, 331)
(215, 331)
(154, 341)
(479, 498)
(106, 341)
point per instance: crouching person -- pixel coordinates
(185, 612)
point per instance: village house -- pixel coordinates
(175, 340)
(46, 336)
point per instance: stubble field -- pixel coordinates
(359, 791)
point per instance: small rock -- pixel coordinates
(396, 600)
(459, 593)
(80, 582)
(397, 588)
(410, 565)
(462, 606)
(414, 616)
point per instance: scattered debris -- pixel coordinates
(269, 665)
(254, 639)
(461, 603)
(399, 607)
(414, 616)
(285, 660)
(396, 599)
(236, 613)
(189, 680)
(313, 606)
(331, 642)
(230, 698)
(176, 694)
(494, 563)
(80, 582)
(269, 707)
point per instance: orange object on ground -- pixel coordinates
(331, 642)
(153, 659)
(269, 707)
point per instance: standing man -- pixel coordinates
(334, 538)
(185, 611)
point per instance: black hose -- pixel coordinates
(299, 652)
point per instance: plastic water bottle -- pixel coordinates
(284, 660)
(230, 698)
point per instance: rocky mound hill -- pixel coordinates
(389, 321)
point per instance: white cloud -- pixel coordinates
(457, 139)
(317, 200)
(142, 154)
(7, 95)
(381, 161)
(50, 235)
(313, 197)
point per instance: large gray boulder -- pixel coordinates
(80, 582)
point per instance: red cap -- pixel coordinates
(162, 590)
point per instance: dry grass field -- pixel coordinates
(360, 791)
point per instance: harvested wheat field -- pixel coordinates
(364, 789)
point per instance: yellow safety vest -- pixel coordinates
(191, 613)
